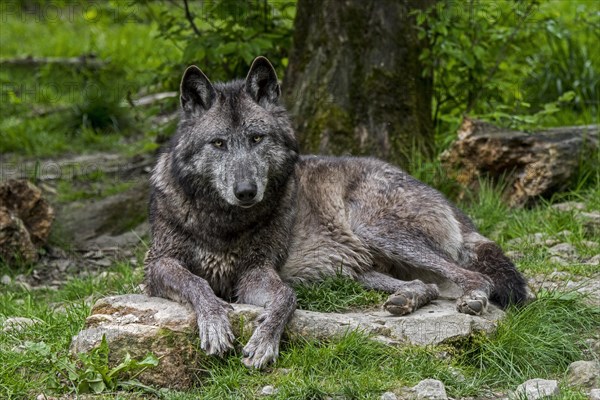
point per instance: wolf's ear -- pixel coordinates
(261, 82)
(196, 92)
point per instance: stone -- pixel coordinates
(558, 261)
(139, 324)
(591, 222)
(5, 280)
(595, 394)
(388, 396)
(430, 389)
(563, 250)
(268, 390)
(17, 324)
(25, 220)
(535, 389)
(584, 373)
(568, 206)
(531, 239)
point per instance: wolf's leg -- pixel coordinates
(263, 287)
(404, 248)
(406, 296)
(167, 278)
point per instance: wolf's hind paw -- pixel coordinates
(407, 300)
(474, 303)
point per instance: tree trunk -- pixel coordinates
(530, 166)
(354, 82)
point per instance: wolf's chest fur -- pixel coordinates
(219, 269)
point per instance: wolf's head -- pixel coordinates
(234, 139)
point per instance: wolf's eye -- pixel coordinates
(218, 143)
(257, 138)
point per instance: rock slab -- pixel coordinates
(139, 324)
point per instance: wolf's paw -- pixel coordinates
(216, 337)
(473, 303)
(261, 350)
(407, 300)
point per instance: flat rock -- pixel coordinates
(535, 389)
(139, 324)
(595, 394)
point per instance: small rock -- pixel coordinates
(590, 221)
(535, 238)
(565, 250)
(268, 390)
(24, 286)
(594, 261)
(430, 389)
(590, 244)
(456, 374)
(42, 396)
(558, 275)
(569, 206)
(5, 280)
(535, 389)
(388, 396)
(595, 394)
(584, 373)
(558, 261)
(102, 262)
(515, 255)
(566, 233)
(16, 324)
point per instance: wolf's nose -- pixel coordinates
(245, 191)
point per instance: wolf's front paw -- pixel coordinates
(473, 303)
(261, 350)
(216, 337)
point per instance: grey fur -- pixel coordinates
(308, 217)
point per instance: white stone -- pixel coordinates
(388, 396)
(535, 389)
(584, 373)
(430, 389)
(16, 324)
(268, 390)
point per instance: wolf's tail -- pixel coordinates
(510, 286)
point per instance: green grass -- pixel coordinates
(337, 294)
(31, 359)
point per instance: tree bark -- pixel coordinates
(354, 82)
(529, 165)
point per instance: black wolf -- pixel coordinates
(236, 214)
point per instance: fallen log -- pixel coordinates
(89, 61)
(530, 165)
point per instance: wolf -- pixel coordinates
(238, 215)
